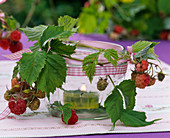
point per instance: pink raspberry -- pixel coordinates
(142, 80)
(4, 43)
(15, 36)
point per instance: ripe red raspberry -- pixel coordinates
(4, 43)
(73, 119)
(134, 32)
(15, 35)
(164, 35)
(118, 29)
(142, 80)
(14, 47)
(17, 107)
(87, 4)
(144, 62)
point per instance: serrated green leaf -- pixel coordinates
(150, 56)
(53, 74)
(66, 114)
(138, 46)
(112, 56)
(31, 65)
(135, 118)
(114, 105)
(58, 47)
(141, 48)
(16, 70)
(52, 32)
(142, 52)
(89, 64)
(68, 23)
(35, 47)
(128, 89)
(34, 33)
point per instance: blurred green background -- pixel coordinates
(120, 19)
(45, 11)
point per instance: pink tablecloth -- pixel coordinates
(154, 100)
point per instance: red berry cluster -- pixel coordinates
(11, 41)
(73, 119)
(119, 32)
(140, 75)
(21, 96)
(143, 66)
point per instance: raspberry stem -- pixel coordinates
(155, 65)
(111, 80)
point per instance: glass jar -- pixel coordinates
(86, 98)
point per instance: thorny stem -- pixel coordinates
(111, 80)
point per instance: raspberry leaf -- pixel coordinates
(66, 114)
(16, 70)
(68, 23)
(114, 106)
(34, 33)
(135, 118)
(128, 89)
(142, 52)
(52, 32)
(58, 47)
(89, 64)
(112, 56)
(141, 48)
(31, 65)
(138, 46)
(53, 74)
(35, 47)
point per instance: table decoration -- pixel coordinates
(156, 96)
(46, 69)
(87, 99)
